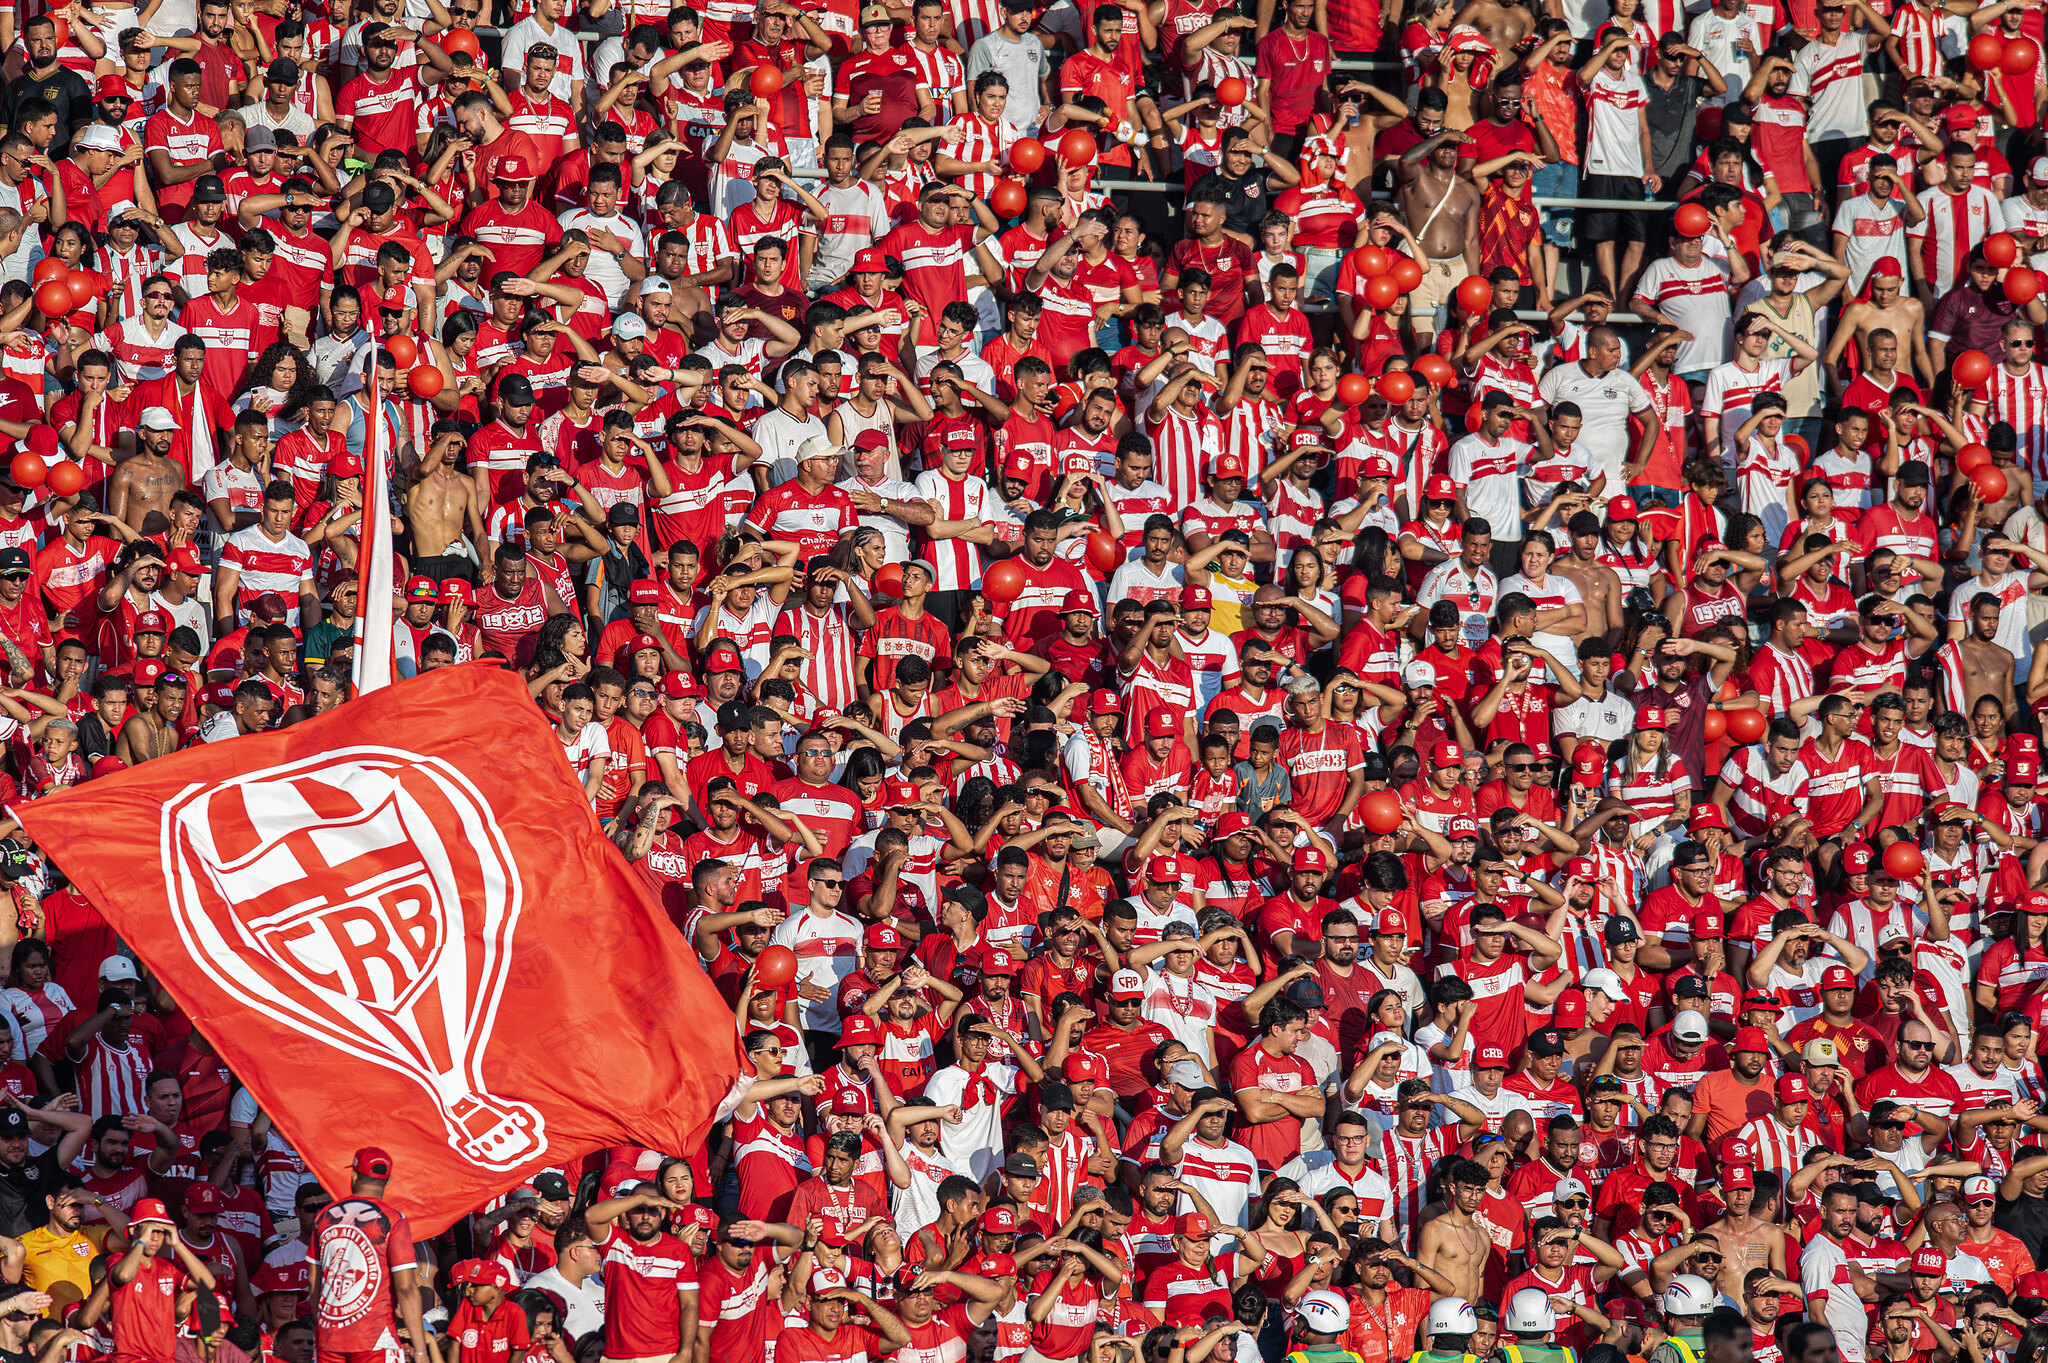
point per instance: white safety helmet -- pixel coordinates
(1452, 1316)
(1529, 1313)
(1325, 1312)
(1689, 1295)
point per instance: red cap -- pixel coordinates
(108, 765)
(347, 464)
(1856, 860)
(1078, 600)
(1928, 1259)
(998, 961)
(994, 1265)
(1792, 1089)
(1440, 488)
(1652, 717)
(1194, 1226)
(1751, 1039)
(1310, 859)
(645, 592)
(203, 1199)
(372, 1163)
(1837, 977)
(1447, 754)
(859, 1030)
(1164, 868)
(1195, 599)
(150, 1211)
(1161, 724)
(149, 671)
(512, 167)
(1734, 1150)
(1460, 826)
(1589, 764)
(1623, 509)
(1105, 702)
(1707, 814)
(1581, 868)
(422, 588)
(870, 261)
(1490, 1058)
(152, 622)
(1000, 1221)
(1019, 466)
(1227, 466)
(1086, 1065)
(1569, 1010)
(113, 86)
(1737, 1176)
(455, 589)
(185, 559)
(2023, 770)
(1390, 922)
(680, 686)
(1377, 466)
(884, 937)
(1230, 823)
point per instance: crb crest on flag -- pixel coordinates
(400, 924)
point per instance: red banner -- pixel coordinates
(401, 925)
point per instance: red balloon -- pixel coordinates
(1716, 724)
(1903, 860)
(1077, 148)
(1707, 123)
(1435, 369)
(1004, 581)
(1972, 457)
(49, 267)
(2000, 249)
(1381, 291)
(425, 381)
(1027, 154)
(53, 298)
(765, 82)
(460, 40)
(1990, 483)
(1372, 261)
(1972, 368)
(65, 479)
(1008, 198)
(28, 469)
(1406, 272)
(1230, 92)
(1475, 295)
(774, 967)
(2022, 285)
(1353, 389)
(889, 580)
(1381, 811)
(1987, 50)
(84, 288)
(2019, 56)
(1747, 726)
(1692, 220)
(1105, 555)
(1397, 386)
(405, 351)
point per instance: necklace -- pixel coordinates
(1182, 1006)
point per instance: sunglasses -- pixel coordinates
(828, 884)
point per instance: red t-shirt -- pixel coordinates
(643, 1315)
(146, 1315)
(360, 1245)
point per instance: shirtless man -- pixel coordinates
(441, 502)
(1454, 1246)
(1599, 585)
(1987, 666)
(1747, 1240)
(1889, 308)
(139, 495)
(1502, 25)
(154, 730)
(1442, 209)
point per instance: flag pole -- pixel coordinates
(376, 583)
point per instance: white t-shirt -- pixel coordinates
(1695, 298)
(1614, 141)
(1492, 478)
(1830, 75)
(1875, 232)
(569, 66)
(1605, 404)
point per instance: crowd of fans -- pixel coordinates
(1322, 680)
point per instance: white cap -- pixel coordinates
(1125, 983)
(158, 419)
(118, 968)
(1380, 1039)
(1568, 1188)
(1982, 1185)
(629, 327)
(1418, 673)
(825, 1279)
(819, 447)
(1689, 1026)
(655, 284)
(99, 137)
(1607, 982)
(2039, 169)
(1892, 932)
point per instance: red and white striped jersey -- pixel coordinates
(980, 141)
(969, 499)
(268, 565)
(1406, 1164)
(1919, 31)
(1252, 430)
(1780, 678)
(111, 1079)
(1224, 1175)
(828, 672)
(1954, 223)
(710, 242)
(1777, 1147)
(1183, 447)
(942, 73)
(2022, 401)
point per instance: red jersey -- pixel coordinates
(360, 1245)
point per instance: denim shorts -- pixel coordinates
(1560, 181)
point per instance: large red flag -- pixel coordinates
(401, 925)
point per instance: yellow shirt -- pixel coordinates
(1233, 598)
(61, 1264)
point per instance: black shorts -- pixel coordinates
(1608, 224)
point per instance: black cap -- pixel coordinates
(15, 563)
(1914, 475)
(283, 71)
(1584, 523)
(380, 197)
(207, 189)
(1621, 929)
(732, 718)
(1019, 1165)
(1304, 994)
(1690, 853)
(552, 1187)
(622, 513)
(1548, 1041)
(1689, 987)
(12, 1123)
(515, 390)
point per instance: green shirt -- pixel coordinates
(1664, 1353)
